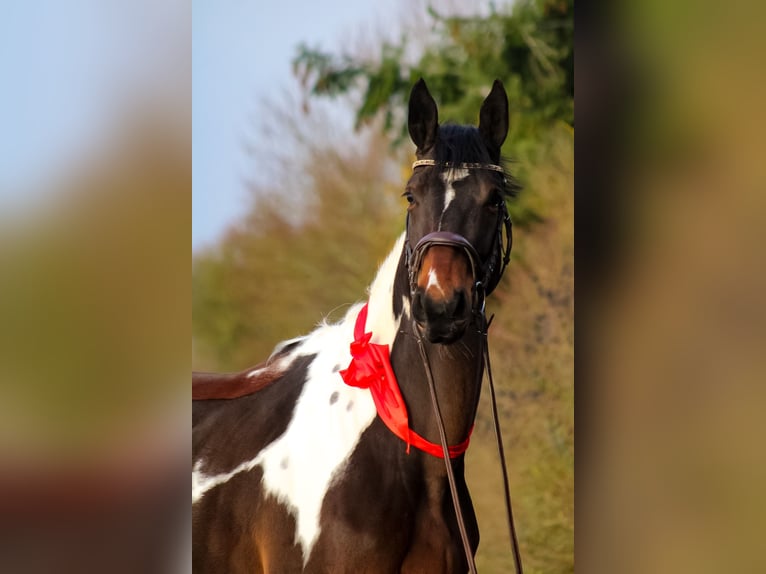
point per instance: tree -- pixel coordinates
(528, 47)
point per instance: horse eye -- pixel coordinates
(409, 197)
(495, 202)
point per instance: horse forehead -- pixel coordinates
(450, 176)
(462, 182)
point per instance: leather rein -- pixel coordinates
(486, 275)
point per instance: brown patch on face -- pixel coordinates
(443, 271)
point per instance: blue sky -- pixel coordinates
(67, 70)
(242, 52)
(52, 99)
(67, 67)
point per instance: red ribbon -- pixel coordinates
(370, 368)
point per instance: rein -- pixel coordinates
(483, 330)
(484, 284)
(500, 448)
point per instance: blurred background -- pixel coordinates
(295, 132)
(671, 322)
(301, 155)
(95, 213)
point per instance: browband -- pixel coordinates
(491, 166)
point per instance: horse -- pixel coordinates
(325, 457)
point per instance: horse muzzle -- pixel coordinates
(442, 284)
(441, 320)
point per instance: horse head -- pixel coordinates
(456, 213)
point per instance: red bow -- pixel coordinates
(370, 368)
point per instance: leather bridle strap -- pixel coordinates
(441, 238)
(484, 327)
(449, 165)
(494, 268)
(500, 448)
(486, 275)
(445, 449)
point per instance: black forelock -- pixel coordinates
(463, 144)
(459, 144)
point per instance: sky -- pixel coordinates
(67, 67)
(242, 53)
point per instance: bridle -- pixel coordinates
(486, 275)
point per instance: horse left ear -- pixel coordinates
(493, 118)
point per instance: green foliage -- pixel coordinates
(529, 48)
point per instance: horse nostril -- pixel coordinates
(428, 308)
(460, 304)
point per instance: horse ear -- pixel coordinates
(423, 120)
(493, 118)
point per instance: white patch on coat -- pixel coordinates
(300, 466)
(450, 177)
(321, 435)
(279, 346)
(380, 315)
(406, 311)
(278, 366)
(202, 482)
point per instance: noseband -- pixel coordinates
(486, 274)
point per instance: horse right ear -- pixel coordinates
(423, 120)
(493, 118)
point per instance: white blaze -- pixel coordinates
(450, 177)
(433, 281)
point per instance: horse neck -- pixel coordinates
(456, 371)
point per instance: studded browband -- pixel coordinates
(431, 162)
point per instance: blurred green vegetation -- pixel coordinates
(297, 257)
(83, 276)
(274, 277)
(529, 48)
